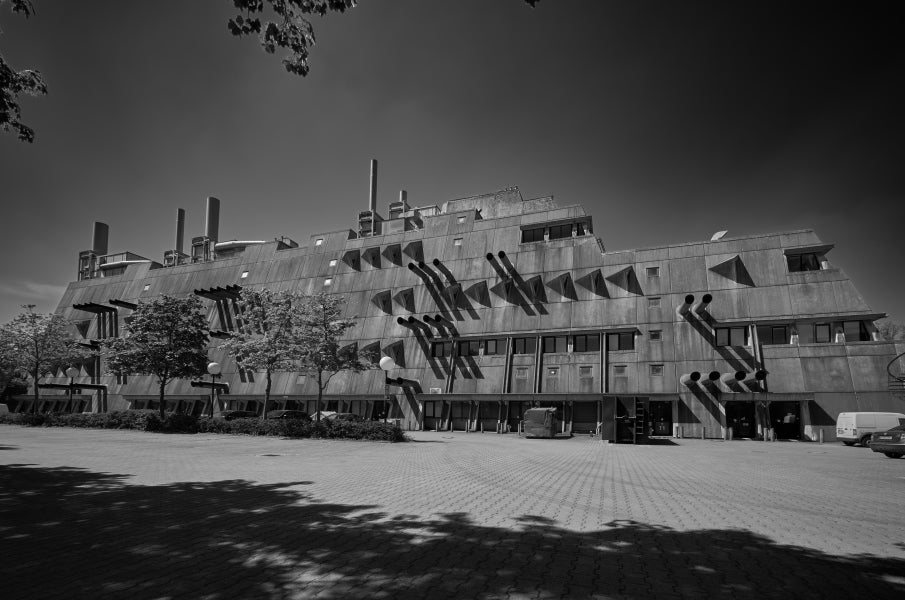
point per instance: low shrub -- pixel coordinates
(149, 420)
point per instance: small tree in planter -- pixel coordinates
(270, 337)
(166, 337)
(322, 326)
(38, 344)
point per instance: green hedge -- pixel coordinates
(149, 420)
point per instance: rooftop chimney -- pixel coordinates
(212, 224)
(101, 236)
(372, 206)
(180, 229)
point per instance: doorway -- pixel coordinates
(659, 418)
(741, 417)
(785, 418)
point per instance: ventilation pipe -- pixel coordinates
(501, 254)
(683, 308)
(100, 238)
(714, 376)
(690, 379)
(759, 376)
(490, 256)
(701, 306)
(436, 262)
(372, 194)
(212, 223)
(401, 321)
(180, 230)
(733, 378)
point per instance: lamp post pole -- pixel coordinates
(387, 364)
(71, 372)
(214, 369)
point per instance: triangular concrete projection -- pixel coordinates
(506, 290)
(396, 351)
(594, 282)
(415, 251)
(535, 289)
(382, 301)
(353, 259)
(562, 285)
(627, 280)
(82, 327)
(453, 294)
(393, 253)
(734, 269)
(406, 299)
(479, 293)
(372, 255)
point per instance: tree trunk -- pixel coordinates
(266, 396)
(320, 393)
(163, 384)
(34, 407)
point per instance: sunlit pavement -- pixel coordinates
(122, 514)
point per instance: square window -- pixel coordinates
(656, 335)
(333, 262)
(318, 241)
(457, 242)
(653, 271)
(460, 219)
(552, 371)
(327, 282)
(521, 372)
(653, 303)
(300, 379)
(656, 370)
(533, 235)
(147, 287)
(584, 371)
(822, 333)
(243, 275)
(579, 229)
(619, 370)
(524, 345)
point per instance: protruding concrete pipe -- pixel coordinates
(427, 318)
(690, 379)
(701, 306)
(212, 220)
(421, 264)
(714, 376)
(732, 378)
(683, 308)
(501, 254)
(401, 321)
(412, 320)
(436, 262)
(412, 266)
(490, 256)
(758, 377)
(100, 237)
(180, 230)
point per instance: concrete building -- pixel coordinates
(494, 303)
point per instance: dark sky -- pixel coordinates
(667, 120)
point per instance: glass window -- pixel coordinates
(586, 343)
(318, 241)
(653, 271)
(621, 341)
(533, 235)
(460, 219)
(656, 370)
(585, 371)
(653, 303)
(732, 336)
(521, 372)
(855, 331)
(243, 275)
(579, 229)
(558, 232)
(555, 344)
(492, 347)
(332, 262)
(552, 371)
(524, 345)
(441, 349)
(469, 347)
(327, 282)
(656, 335)
(822, 333)
(809, 261)
(619, 370)
(457, 242)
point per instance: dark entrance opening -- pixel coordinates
(516, 413)
(584, 417)
(785, 418)
(740, 416)
(659, 417)
(630, 419)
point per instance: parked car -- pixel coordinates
(288, 414)
(891, 443)
(239, 414)
(345, 417)
(857, 427)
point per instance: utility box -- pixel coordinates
(540, 423)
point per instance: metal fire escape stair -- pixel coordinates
(896, 382)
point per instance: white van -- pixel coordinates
(854, 427)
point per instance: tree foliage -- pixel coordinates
(269, 336)
(15, 83)
(38, 344)
(166, 338)
(320, 355)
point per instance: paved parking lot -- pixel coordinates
(122, 514)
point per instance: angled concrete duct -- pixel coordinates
(683, 308)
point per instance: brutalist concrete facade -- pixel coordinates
(492, 304)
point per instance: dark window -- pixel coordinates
(579, 229)
(558, 232)
(521, 372)
(586, 343)
(555, 344)
(656, 335)
(469, 347)
(656, 370)
(533, 235)
(808, 261)
(619, 370)
(773, 334)
(441, 349)
(492, 347)
(524, 345)
(621, 341)
(584, 372)
(433, 408)
(653, 271)
(855, 331)
(822, 333)
(731, 336)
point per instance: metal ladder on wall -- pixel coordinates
(639, 432)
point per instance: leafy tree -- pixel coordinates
(320, 355)
(269, 337)
(891, 330)
(38, 344)
(13, 83)
(166, 338)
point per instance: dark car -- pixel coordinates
(891, 443)
(346, 417)
(239, 414)
(288, 414)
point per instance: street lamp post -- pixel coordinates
(72, 373)
(214, 369)
(387, 364)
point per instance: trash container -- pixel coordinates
(540, 422)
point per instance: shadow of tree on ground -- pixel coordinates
(71, 533)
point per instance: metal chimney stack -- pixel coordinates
(372, 206)
(101, 237)
(180, 230)
(212, 224)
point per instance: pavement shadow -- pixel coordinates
(72, 533)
